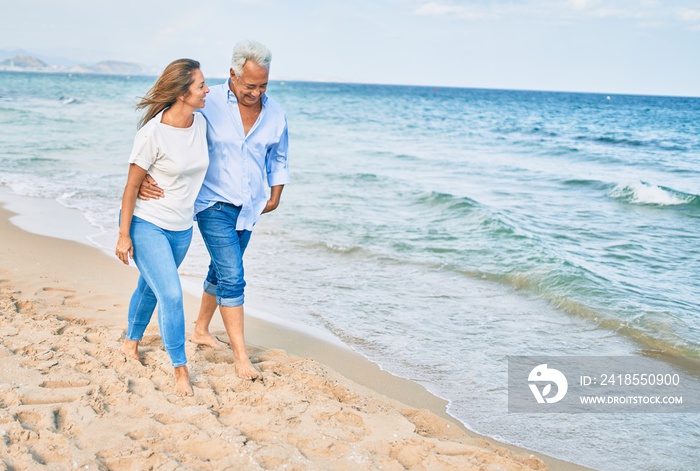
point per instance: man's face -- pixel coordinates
(251, 84)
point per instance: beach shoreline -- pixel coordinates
(59, 285)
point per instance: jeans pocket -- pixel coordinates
(215, 207)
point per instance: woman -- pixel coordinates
(171, 145)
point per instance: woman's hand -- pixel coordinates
(125, 249)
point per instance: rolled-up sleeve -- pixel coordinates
(145, 151)
(277, 161)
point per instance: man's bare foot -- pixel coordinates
(131, 349)
(208, 340)
(182, 382)
(245, 369)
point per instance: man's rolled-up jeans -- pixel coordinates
(226, 246)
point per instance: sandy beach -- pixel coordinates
(69, 399)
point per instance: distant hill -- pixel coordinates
(25, 62)
(117, 67)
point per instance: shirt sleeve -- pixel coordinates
(145, 151)
(278, 161)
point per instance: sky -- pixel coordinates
(649, 47)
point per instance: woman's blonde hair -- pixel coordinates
(174, 82)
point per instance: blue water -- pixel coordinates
(437, 231)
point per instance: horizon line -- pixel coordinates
(346, 82)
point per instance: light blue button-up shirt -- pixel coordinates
(240, 164)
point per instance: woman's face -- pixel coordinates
(196, 96)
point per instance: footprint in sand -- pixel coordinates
(53, 288)
(68, 295)
(63, 384)
(41, 395)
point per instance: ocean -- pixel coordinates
(437, 231)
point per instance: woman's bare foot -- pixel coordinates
(208, 340)
(245, 369)
(131, 349)
(182, 382)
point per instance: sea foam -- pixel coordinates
(645, 193)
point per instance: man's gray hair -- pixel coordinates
(249, 50)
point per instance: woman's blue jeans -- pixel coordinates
(158, 253)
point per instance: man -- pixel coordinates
(247, 137)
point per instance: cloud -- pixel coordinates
(557, 10)
(687, 14)
(583, 4)
(454, 11)
(437, 9)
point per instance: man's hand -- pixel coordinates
(149, 189)
(271, 205)
(274, 201)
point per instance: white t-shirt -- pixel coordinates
(176, 158)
